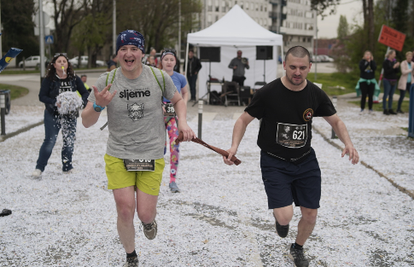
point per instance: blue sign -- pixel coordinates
(49, 39)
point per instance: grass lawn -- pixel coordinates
(331, 81)
(378, 107)
(15, 91)
(335, 83)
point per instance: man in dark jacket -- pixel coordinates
(193, 68)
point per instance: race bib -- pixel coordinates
(134, 165)
(291, 135)
(169, 110)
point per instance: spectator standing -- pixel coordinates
(390, 77)
(153, 53)
(193, 67)
(367, 82)
(111, 63)
(239, 64)
(168, 61)
(151, 61)
(60, 78)
(84, 78)
(406, 79)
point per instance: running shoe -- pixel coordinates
(174, 188)
(36, 173)
(150, 230)
(297, 256)
(131, 262)
(282, 230)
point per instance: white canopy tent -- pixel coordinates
(236, 31)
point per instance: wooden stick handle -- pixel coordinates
(215, 149)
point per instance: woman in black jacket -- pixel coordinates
(60, 78)
(367, 67)
(391, 69)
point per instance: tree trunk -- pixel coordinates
(365, 13)
(371, 26)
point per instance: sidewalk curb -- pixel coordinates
(7, 136)
(402, 189)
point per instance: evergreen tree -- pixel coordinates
(343, 28)
(18, 28)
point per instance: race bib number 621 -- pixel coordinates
(292, 135)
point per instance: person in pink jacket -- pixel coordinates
(406, 79)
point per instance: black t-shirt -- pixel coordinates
(286, 126)
(65, 85)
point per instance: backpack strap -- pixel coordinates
(163, 79)
(155, 76)
(113, 77)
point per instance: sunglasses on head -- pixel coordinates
(60, 55)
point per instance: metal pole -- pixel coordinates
(200, 118)
(114, 28)
(3, 113)
(179, 30)
(411, 114)
(334, 102)
(1, 47)
(316, 53)
(42, 41)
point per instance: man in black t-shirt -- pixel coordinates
(290, 170)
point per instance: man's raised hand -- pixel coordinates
(104, 97)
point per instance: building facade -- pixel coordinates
(293, 19)
(296, 22)
(213, 10)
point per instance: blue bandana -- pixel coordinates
(130, 37)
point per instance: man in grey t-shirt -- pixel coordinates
(135, 149)
(238, 64)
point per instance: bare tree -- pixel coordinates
(66, 15)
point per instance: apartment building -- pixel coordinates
(213, 10)
(294, 19)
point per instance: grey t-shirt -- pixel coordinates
(239, 71)
(135, 117)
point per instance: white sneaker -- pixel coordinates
(37, 173)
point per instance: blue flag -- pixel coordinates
(12, 53)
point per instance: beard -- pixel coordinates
(293, 82)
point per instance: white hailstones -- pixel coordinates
(70, 102)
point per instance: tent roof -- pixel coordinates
(236, 28)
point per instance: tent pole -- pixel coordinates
(282, 55)
(186, 60)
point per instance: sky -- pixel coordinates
(350, 8)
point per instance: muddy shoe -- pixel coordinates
(131, 262)
(297, 256)
(174, 187)
(282, 230)
(150, 230)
